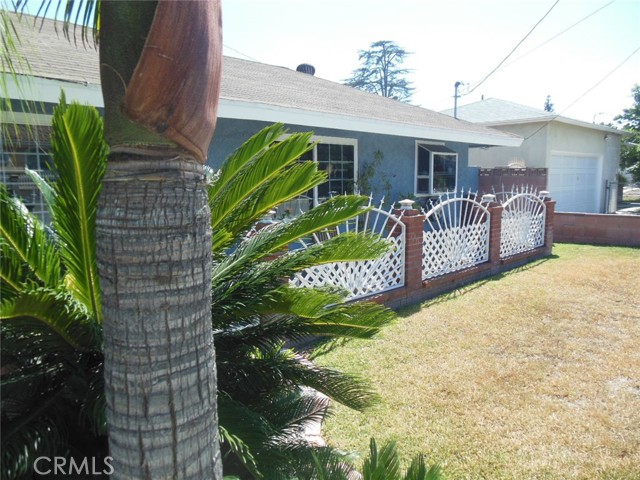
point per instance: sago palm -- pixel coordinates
(53, 393)
(52, 378)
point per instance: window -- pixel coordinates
(22, 148)
(436, 169)
(338, 160)
(337, 157)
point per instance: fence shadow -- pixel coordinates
(470, 287)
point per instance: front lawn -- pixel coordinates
(531, 374)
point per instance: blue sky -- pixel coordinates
(458, 40)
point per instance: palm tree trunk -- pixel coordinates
(160, 70)
(154, 254)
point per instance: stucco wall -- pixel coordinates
(571, 139)
(398, 164)
(532, 152)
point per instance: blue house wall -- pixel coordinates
(398, 154)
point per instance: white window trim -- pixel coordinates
(431, 162)
(332, 141)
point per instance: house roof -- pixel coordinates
(496, 112)
(257, 91)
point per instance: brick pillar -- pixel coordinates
(414, 225)
(548, 225)
(495, 232)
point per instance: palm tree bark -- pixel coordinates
(153, 237)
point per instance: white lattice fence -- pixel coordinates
(365, 277)
(456, 235)
(523, 222)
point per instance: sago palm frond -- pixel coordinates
(298, 312)
(265, 423)
(278, 237)
(243, 155)
(242, 287)
(250, 181)
(53, 315)
(293, 410)
(270, 367)
(47, 191)
(384, 464)
(231, 443)
(11, 272)
(79, 154)
(26, 243)
(333, 212)
(325, 464)
(291, 182)
(79, 13)
(419, 470)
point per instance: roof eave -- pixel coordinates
(243, 110)
(558, 118)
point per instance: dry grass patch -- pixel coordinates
(533, 374)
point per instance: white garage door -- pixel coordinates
(574, 183)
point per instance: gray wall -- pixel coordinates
(398, 164)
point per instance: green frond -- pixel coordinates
(333, 212)
(32, 437)
(274, 239)
(26, 243)
(419, 470)
(44, 400)
(83, 13)
(47, 191)
(270, 367)
(243, 287)
(242, 431)
(263, 167)
(322, 313)
(382, 464)
(54, 317)
(240, 449)
(327, 464)
(292, 181)
(13, 66)
(11, 272)
(292, 410)
(79, 153)
(246, 153)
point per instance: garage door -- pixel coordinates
(574, 183)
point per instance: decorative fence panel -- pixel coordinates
(456, 235)
(365, 277)
(523, 222)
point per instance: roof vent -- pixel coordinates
(306, 68)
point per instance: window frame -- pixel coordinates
(432, 148)
(326, 140)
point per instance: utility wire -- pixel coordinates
(239, 52)
(514, 49)
(585, 93)
(558, 34)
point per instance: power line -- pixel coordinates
(514, 48)
(585, 93)
(239, 52)
(558, 34)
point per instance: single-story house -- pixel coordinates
(406, 150)
(582, 159)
